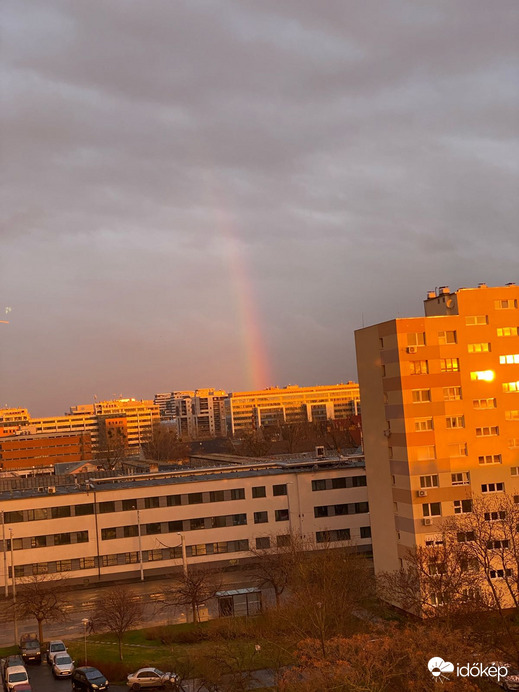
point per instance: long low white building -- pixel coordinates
(116, 528)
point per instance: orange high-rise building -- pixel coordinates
(440, 404)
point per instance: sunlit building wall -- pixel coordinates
(440, 404)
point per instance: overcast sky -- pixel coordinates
(217, 193)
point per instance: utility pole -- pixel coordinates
(4, 546)
(141, 566)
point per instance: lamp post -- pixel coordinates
(139, 535)
(85, 622)
(184, 553)
(4, 546)
(13, 577)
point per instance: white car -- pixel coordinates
(145, 678)
(14, 677)
(62, 665)
(55, 647)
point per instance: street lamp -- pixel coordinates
(184, 553)
(85, 622)
(13, 577)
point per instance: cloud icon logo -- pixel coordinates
(438, 667)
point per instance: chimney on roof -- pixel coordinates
(444, 290)
(431, 294)
(482, 284)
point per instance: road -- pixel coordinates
(80, 604)
(42, 681)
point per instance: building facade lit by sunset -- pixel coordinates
(292, 404)
(129, 420)
(198, 413)
(440, 403)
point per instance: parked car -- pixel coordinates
(15, 676)
(62, 666)
(88, 678)
(151, 677)
(55, 647)
(30, 648)
(14, 660)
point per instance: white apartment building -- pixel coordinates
(113, 528)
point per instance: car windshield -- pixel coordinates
(32, 645)
(18, 677)
(95, 675)
(58, 647)
(62, 660)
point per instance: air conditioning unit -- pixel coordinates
(51, 489)
(412, 349)
(422, 493)
(427, 521)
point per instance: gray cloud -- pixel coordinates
(164, 163)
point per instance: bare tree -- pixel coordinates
(193, 590)
(43, 597)
(165, 445)
(117, 610)
(275, 565)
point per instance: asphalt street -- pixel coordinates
(42, 680)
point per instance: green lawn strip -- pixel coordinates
(9, 651)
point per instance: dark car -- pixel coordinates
(88, 678)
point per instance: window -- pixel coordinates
(108, 560)
(38, 541)
(131, 558)
(514, 470)
(151, 502)
(510, 387)
(216, 496)
(154, 555)
(489, 459)
(238, 494)
(174, 500)
(106, 507)
(500, 573)
(129, 531)
(513, 443)
(483, 347)
(432, 509)
(281, 515)
(319, 485)
(195, 498)
(458, 449)
(152, 528)
(455, 422)
(62, 539)
(462, 506)
(462, 478)
(196, 524)
(239, 519)
(339, 483)
(419, 367)
(474, 320)
(498, 544)
(429, 481)
(505, 304)
(447, 337)
(59, 512)
(279, 489)
(449, 365)
(423, 424)
(320, 512)
(263, 543)
(493, 487)
(87, 563)
(507, 331)
(451, 393)
(260, 491)
(487, 431)
(82, 510)
(261, 517)
(424, 453)
(416, 339)
(361, 508)
(466, 536)
(482, 375)
(495, 516)
(484, 403)
(509, 359)
(13, 517)
(365, 531)
(37, 568)
(128, 505)
(512, 415)
(63, 565)
(421, 395)
(218, 522)
(108, 534)
(82, 537)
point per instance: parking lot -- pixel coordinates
(42, 680)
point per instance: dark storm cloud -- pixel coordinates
(348, 156)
